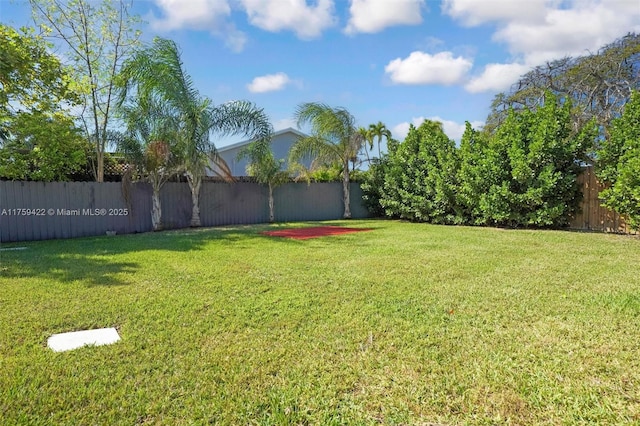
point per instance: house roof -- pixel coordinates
(248, 141)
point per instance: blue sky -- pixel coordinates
(395, 61)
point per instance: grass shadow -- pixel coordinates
(91, 259)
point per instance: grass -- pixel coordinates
(405, 324)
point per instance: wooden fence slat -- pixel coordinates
(593, 216)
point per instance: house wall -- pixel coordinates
(280, 145)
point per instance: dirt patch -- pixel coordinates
(313, 232)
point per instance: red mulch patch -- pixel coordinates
(314, 232)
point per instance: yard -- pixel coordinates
(403, 324)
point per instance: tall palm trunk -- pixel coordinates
(156, 208)
(272, 217)
(345, 190)
(195, 183)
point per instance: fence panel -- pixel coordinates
(232, 203)
(80, 209)
(592, 215)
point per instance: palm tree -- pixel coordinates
(265, 168)
(367, 136)
(334, 139)
(157, 71)
(380, 130)
(149, 144)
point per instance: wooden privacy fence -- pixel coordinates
(593, 216)
(46, 210)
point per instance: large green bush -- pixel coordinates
(372, 185)
(420, 179)
(529, 168)
(522, 174)
(619, 163)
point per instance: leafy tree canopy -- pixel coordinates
(96, 37)
(619, 160)
(598, 85)
(420, 176)
(38, 138)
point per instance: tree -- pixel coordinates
(477, 172)
(420, 181)
(367, 137)
(265, 168)
(157, 71)
(334, 138)
(380, 131)
(43, 147)
(38, 139)
(150, 145)
(598, 85)
(619, 164)
(530, 165)
(373, 184)
(98, 37)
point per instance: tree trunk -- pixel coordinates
(99, 166)
(195, 182)
(271, 215)
(345, 191)
(156, 210)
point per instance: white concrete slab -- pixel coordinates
(77, 339)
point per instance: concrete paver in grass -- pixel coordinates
(76, 339)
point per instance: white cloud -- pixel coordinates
(540, 30)
(496, 78)
(204, 15)
(536, 31)
(295, 15)
(269, 83)
(400, 131)
(451, 128)
(569, 31)
(474, 12)
(423, 68)
(195, 14)
(372, 16)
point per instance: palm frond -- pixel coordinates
(314, 147)
(241, 118)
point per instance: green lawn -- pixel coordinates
(405, 324)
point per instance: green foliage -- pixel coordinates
(420, 180)
(43, 148)
(330, 173)
(263, 165)
(597, 84)
(156, 72)
(373, 184)
(379, 131)
(38, 139)
(619, 163)
(265, 168)
(32, 78)
(96, 37)
(525, 173)
(477, 167)
(334, 139)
